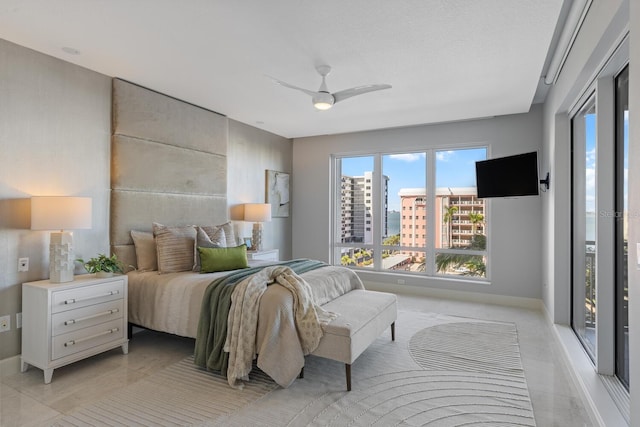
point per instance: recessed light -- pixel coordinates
(70, 50)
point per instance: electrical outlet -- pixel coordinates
(18, 320)
(23, 264)
(5, 323)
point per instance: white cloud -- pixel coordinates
(444, 156)
(408, 157)
(590, 159)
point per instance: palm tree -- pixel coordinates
(475, 218)
(346, 260)
(448, 219)
(474, 263)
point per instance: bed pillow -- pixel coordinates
(204, 241)
(175, 247)
(223, 259)
(230, 235)
(146, 255)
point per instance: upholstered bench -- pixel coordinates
(363, 317)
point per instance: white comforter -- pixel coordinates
(308, 319)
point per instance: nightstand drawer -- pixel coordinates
(83, 339)
(72, 320)
(87, 295)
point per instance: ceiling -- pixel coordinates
(447, 60)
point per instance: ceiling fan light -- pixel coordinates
(322, 105)
(323, 101)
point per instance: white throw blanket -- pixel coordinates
(243, 320)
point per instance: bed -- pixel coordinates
(169, 170)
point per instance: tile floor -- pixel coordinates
(26, 401)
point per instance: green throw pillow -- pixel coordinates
(222, 259)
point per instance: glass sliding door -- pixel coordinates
(622, 219)
(584, 225)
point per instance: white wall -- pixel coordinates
(515, 233)
(606, 23)
(602, 27)
(250, 153)
(55, 132)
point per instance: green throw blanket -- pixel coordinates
(212, 325)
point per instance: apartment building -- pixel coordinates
(459, 215)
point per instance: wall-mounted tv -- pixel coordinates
(508, 176)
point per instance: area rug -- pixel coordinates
(440, 371)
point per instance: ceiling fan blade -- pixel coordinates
(290, 86)
(348, 93)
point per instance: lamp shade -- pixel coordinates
(257, 212)
(60, 213)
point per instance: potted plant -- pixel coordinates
(103, 266)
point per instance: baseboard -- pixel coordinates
(9, 366)
(479, 297)
(595, 396)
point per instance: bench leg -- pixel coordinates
(393, 331)
(348, 372)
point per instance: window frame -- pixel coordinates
(335, 245)
(602, 86)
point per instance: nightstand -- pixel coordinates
(264, 255)
(66, 322)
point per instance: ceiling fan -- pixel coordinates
(323, 99)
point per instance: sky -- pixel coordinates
(454, 168)
(590, 160)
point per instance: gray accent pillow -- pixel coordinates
(203, 240)
(230, 235)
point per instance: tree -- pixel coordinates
(474, 264)
(392, 240)
(448, 219)
(475, 218)
(346, 260)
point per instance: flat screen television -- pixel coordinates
(509, 176)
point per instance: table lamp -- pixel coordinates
(60, 213)
(257, 213)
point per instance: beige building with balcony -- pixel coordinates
(454, 232)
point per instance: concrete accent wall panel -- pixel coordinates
(142, 164)
(142, 113)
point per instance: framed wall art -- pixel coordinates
(277, 193)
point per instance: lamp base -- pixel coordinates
(257, 236)
(61, 257)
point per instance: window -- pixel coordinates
(599, 285)
(584, 225)
(453, 241)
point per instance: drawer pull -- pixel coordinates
(75, 300)
(93, 316)
(79, 340)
